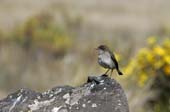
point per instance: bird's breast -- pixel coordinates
(106, 61)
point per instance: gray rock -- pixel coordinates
(99, 94)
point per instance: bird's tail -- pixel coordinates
(119, 72)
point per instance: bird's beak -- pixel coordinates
(96, 48)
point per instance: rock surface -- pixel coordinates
(99, 94)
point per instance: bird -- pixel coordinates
(107, 59)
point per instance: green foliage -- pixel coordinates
(41, 31)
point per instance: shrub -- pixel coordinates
(42, 31)
(152, 65)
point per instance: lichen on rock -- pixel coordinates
(99, 94)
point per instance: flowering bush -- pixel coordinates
(151, 61)
(152, 64)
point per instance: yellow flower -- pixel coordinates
(167, 59)
(142, 79)
(167, 70)
(129, 69)
(150, 58)
(158, 64)
(151, 40)
(158, 50)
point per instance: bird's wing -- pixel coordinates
(116, 64)
(114, 60)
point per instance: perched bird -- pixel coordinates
(107, 59)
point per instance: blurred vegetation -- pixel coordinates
(22, 49)
(42, 31)
(152, 66)
(147, 75)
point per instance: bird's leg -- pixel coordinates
(111, 73)
(107, 71)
